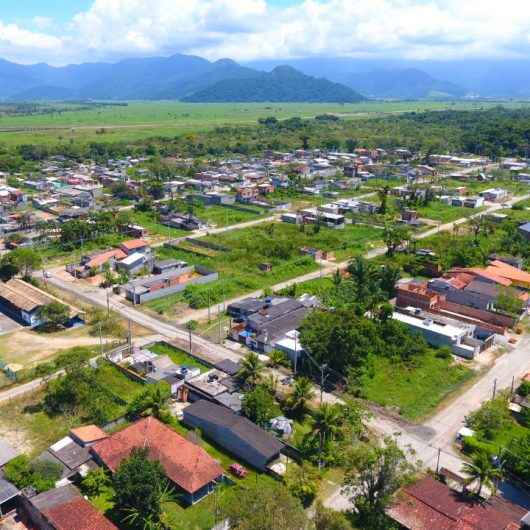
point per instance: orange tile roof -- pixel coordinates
(186, 464)
(134, 243)
(102, 258)
(484, 273)
(77, 514)
(89, 433)
(507, 271)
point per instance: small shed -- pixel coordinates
(8, 497)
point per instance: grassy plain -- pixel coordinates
(139, 120)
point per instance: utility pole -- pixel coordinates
(220, 319)
(209, 308)
(100, 339)
(494, 387)
(322, 368)
(108, 303)
(513, 384)
(438, 461)
(129, 337)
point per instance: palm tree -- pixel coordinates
(278, 358)
(302, 393)
(250, 370)
(326, 424)
(481, 468)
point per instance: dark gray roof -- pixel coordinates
(7, 490)
(7, 453)
(525, 227)
(228, 367)
(232, 401)
(72, 455)
(55, 497)
(262, 442)
(46, 456)
(250, 305)
(276, 329)
(469, 299)
(488, 289)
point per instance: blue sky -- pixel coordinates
(73, 31)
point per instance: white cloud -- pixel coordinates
(42, 23)
(19, 44)
(252, 29)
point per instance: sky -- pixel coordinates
(72, 31)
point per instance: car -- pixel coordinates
(238, 470)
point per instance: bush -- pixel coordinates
(471, 445)
(524, 389)
(40, 474)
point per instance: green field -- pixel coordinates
(275, 243)
(140, 120)
(178, 356)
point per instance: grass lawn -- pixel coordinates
(474, 186)
(415, 392)
(275, 243)
(148, 220)
(439, 211)
(178, 356)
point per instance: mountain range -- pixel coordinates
(321, 79)
(183, 77)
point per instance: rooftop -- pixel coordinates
(186, 464)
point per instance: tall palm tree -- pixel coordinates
(250, 370)
(302, 393)
(326, 424)
(481, 468)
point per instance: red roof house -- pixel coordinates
(429, 504)
(187, 465)
(63, 509)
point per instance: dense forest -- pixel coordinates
(496, 132)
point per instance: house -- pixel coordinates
(187, 465)
(236, 434)
(135, 246)
(494, 195)
(133, 263)
(173, 281)
(96, 262)
(9, 497)
(64, 509)
(183, 221)
(440, 332)
(269, 323)
(22, 301)
(428, 505)
(87, 435)
(524, 230)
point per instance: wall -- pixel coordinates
(496, 319)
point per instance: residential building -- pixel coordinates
(235, 433)
(428, 505)
(193, 471)
(64, 508)
(22, 301)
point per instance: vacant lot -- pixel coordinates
(26, 425)
(178, 356)
(29, 348)
(414, 390)
(277, 244)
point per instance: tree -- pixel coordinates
(140, 484)
(54, 316)
(39, 474)
(250, 370)
(517, 456)
(302, 393)
(491, 418)
(258, 406)
(388, 277)
(382, 193)
(96, 482)
(508, 302)
(328, 519)
(302, 481)
(8, 267)
(325, 426)
(394, 236)
(26, 260)
(481, 469)
(256, 506)
(152, 402)
(374, 473)
(278, 358)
